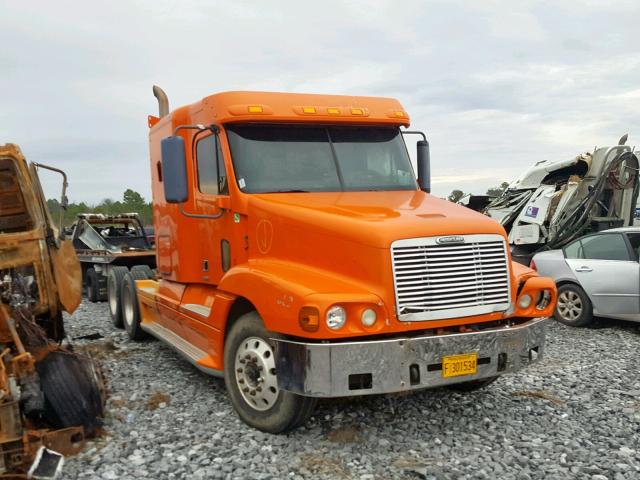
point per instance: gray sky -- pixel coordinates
(496, 85)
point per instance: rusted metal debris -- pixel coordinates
(51, 398)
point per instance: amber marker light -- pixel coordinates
(333, 111)
(357, 111)
(255, 109)
(308, 109)
(309, 319)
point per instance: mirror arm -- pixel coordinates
(414, 132)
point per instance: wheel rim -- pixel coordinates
(127, 307)
(113, 300)
(570, 305)
(255, 370)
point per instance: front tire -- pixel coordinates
(574, 307)
(251, 380)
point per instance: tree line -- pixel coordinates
(456, 195)
(132, 202)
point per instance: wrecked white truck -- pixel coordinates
(554, 202)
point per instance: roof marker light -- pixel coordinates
(333, 111)
(357, 111)
(254, 109)
(308, 109)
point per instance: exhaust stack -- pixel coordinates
(163, 101)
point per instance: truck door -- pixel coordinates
(605, 267)
(211, 183)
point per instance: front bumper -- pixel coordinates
(401, 364)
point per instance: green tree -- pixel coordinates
(497, 191)
(455, 196)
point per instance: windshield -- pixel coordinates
(297, 158)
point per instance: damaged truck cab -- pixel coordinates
(299, 258)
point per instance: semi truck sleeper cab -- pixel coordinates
(299, 257)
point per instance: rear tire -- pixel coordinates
(73, 391)
(130, 308)
(142, 272)
(249, 364)
(92, 285)
(114, 290)
(574, 307)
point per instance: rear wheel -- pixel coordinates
(114, 290)
(252, 382)
(142, 272)
(574, 307)
(92, 285)
(130, 308)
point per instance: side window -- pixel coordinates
(573, 250)
(604, 247)
(634, 239)
(209, 182)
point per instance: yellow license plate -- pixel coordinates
(457, 365)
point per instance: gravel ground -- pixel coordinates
(576, 414)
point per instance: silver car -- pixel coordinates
(597, 275)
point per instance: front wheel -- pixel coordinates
(574, 307)
(252, 383)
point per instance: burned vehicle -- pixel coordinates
(553, 203)
(103, 242)
(50, 396)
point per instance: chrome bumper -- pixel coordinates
(400, 364)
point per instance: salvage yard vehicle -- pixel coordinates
(299, 258)
(104, 242)
(50, 396)
(553, 203)
(597, 275)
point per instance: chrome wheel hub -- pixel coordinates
(255, 370)
(569, 305)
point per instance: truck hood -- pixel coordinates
(374, 219)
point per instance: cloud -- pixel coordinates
(496, 85)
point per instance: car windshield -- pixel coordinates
(288, 158)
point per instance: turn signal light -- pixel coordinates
(309, 319)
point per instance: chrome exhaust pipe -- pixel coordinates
(163, 101)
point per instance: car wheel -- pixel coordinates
(130, 308)
(252, 382)
(114, 290)
(92, 285)
(574, 307)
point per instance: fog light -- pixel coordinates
(525, 301)
(336, 317)
(369, 317)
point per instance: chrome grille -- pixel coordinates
(435, 281)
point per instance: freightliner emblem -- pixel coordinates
(451, 239)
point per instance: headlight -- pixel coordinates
(525, 301)
(368, 317)
(336, 317)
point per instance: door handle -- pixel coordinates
(584, 269)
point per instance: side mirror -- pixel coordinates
(424, 166)
(174, 169)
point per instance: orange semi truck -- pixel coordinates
(299, 257)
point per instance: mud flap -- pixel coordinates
(73, 391)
